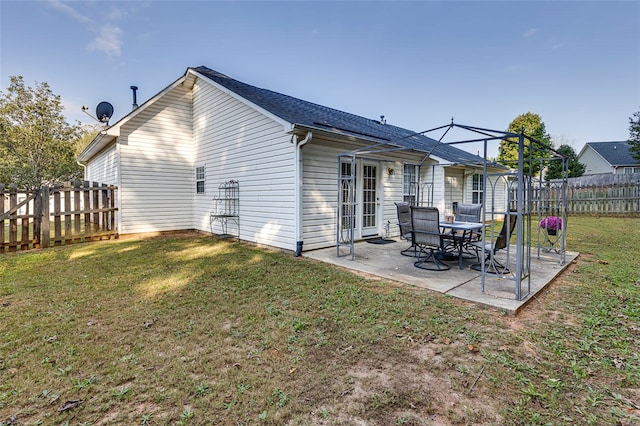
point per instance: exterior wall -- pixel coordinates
(454, 188)
(156, 166)
(319, 194)
(436, 173)
(320, 183)
(234, 141)
(103, 168)
(495, 191)
(594, 163)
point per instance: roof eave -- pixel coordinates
(102, 139)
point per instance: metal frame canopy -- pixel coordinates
(519, 195)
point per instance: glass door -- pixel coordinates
(369, 199)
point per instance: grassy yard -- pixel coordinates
(191, 330)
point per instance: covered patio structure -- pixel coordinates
(384, 261)
(509, 194)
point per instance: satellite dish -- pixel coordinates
(104, 111)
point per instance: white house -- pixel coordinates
(608, 157)
(169, 156)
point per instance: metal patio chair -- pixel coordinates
(467, 213)
(426, 236)
(404, 222)
(492, 265)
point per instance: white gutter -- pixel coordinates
(299, 196)
(84, 169)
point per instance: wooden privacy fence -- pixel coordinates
(61, 214)
(621, 199)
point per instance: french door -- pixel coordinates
(369, 199)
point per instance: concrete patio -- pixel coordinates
(385, 261)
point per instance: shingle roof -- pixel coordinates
(616, 153)
(308, 114)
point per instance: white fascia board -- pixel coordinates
(285, 124)
(584, 148)
(440, 161)
(101, 140)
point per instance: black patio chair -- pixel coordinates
(426, 236)
(404, 222)
(491, 264)
(467, 213)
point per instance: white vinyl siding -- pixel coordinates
(199, 124)
(156, 166)
(320, 185)
(103, 168)
(200, 180)
(454, 189)
(235, 141)
(594, 163)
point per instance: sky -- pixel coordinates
(419, 63)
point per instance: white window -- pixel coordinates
(347, 189)
(409, 183)
(628, 170)
(200, 180)
(477, 188)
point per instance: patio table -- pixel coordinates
(467, 229)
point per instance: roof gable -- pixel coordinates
(307, 114)
(615, 153)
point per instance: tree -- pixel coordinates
(554, 168)
(37, 146)
(533, 126)
(634, 135)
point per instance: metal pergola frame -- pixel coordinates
(519, 200)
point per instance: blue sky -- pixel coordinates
(419, 63)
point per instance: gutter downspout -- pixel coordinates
(84, 169)
(298, 198)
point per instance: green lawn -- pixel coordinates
(180, 330)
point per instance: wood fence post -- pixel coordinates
(24, 225)
(37, 218)
(96, 213)
(13, 221)
(87, 209)
(68, 234)
(57, 225)
(112, 192)
(105, 209)
(45, 218)
(77, 236)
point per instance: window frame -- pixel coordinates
(477, 188)
(407, 197)
(200, 175)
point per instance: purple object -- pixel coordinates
(552, 223)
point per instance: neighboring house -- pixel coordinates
(169, 156)
(608, 157)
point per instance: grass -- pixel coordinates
(199, 331)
